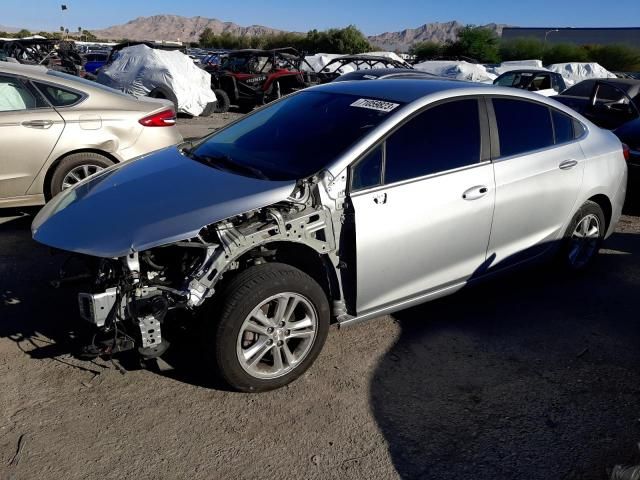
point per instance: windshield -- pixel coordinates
(518, 80)
(295, 137)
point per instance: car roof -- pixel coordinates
(405, 90)
(39, 71)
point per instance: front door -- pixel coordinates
(423, 204)
(29, 129)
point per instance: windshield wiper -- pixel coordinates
(224, 162)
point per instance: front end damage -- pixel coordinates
(135, 298)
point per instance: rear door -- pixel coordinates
(423, 203)
(538, 168)
(29, 129)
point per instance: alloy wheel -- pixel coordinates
(584, 241)
(78, 174)
(277, 335)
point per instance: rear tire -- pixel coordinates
(583, 237)
(222, 101)
(256, 354)
(75, 168)
(165, 93)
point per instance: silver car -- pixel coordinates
(339, 203)
(57, 129)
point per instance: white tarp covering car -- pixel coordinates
(459, 70)
(516, 65)
(576, 72)
(139, 70)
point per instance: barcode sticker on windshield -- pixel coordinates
(375, 104)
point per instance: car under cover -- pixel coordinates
(149, 202)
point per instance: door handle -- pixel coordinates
(380, 199)
(475, 193)
(37, 124)
(567, 164)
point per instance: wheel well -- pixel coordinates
(300, 256)
(606, 207)
(47, 178)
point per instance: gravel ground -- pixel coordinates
(200, 126)
(533, 375)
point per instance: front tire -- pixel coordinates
(583, 237)
(273, 321)
(75, 168)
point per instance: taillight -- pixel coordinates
(165, 118)
(626, 151)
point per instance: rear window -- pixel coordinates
(294, 137)
(522, 126)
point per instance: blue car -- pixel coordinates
(95, 61)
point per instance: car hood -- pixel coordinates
(148, 202)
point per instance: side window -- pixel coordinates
(609, 93)
(58, 96)
(562, 126)
(541, 82)
(368, 171)
(442, 138)
(523, 126)
(15, 96)
(578, 129)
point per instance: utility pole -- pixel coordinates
(545, 37)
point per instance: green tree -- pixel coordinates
(563, 53)
(426, 50)
(479, 43)
(88, 36)
(23, 33)
(618, 58)
(521, 49)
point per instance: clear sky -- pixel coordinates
(372, 16)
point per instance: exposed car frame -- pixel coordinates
(333, 69)
(241, 80)
(54, 54)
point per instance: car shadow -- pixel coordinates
(532, 375)
(40, 318)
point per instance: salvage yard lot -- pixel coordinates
(533, 375)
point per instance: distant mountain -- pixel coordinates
(174, 27)
(429, 32)
(8, 29)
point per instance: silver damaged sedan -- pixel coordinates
(339, 203)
